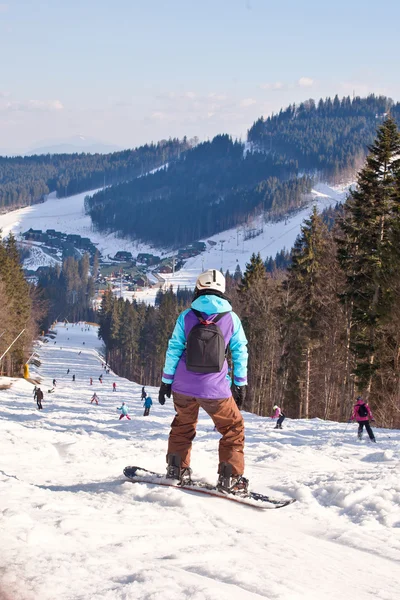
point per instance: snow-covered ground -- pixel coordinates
(73, 529)
(68, 216)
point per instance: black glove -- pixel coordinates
(239, 394)
(165, 390)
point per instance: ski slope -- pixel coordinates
(73, 529)
(68, 216)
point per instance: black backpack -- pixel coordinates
(205, 345)
(362, 410)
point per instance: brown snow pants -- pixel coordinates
(227, 419)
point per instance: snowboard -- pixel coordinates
(140, 475)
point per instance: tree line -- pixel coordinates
(320, 331)
(212, 187)
(24, 180)
(20, 310)
(68, 291)
(330, 136)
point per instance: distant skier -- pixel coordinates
(278, 414)
(54, 383)
(101, 378)
(67, 371)
(91, 381)
(80, 352)
(73, 377)
(114, 387)
(39, 398)
(143, 393)
(124, 411)
(95, 398)
(196, 371)
(147, 405)
(362, 414)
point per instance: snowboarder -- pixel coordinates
(144, 394)
(196, 371)
(362, 414)
(54, 383)
(101, 378)
(278, 414)
(91, 381)
(73, 377)
(95, 398)
(39, 398)
(114, 387)
(147, 405)
(124, 411)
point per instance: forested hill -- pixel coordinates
(212, 187)
(331, 136)
(24, 180)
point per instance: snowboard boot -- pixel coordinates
(276, 427)
(231, 484)
(174, 470)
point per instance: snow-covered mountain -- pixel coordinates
(73, 528)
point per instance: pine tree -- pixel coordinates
(306, 305)
(366, 248)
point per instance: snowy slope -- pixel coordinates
(68, 216)
(72, 528)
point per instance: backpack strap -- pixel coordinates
(204, 321)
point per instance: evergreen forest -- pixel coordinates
(212, 187)
(329, 137)
(21, 310)
(24, 180)
(218, 185)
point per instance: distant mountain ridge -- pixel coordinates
(329, 136)
(220, 184)
(74, 145)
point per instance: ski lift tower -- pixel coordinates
(222, 242)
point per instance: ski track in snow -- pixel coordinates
(73, 528)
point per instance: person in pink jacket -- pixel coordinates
(362, 414)
(278, 414)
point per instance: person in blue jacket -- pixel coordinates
(124, 411)
(196, 372)
(147, 405)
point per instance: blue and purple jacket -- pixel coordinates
(208, 386)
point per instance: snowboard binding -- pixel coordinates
(174, 470)
(231, 484)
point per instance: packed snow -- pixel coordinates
(73, 528)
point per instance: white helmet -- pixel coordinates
(211, 280)
(275, 407)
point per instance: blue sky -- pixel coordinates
(132, 71)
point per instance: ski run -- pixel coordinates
(73, 528)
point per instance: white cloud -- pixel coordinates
(277, 85)
(248, 102)
(159, 116)
(33, 106)
(215, 96)
(305, 82)
(190, 95)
